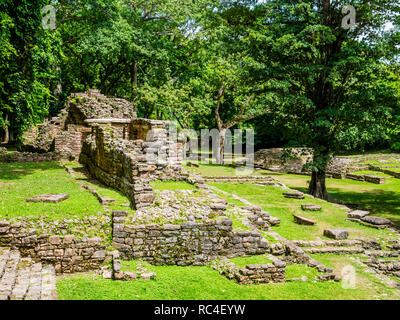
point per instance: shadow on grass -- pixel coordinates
(378, 202)
(15, 171)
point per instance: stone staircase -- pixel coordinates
(260, 180)
(23, 279)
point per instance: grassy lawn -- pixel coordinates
(216, 170)
(382, 200)
(244, 261)
(271, 200)
(121, 202)
(201, 283)
(19, 181)
(373, 173)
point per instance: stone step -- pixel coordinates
(23, 279)
(4, 254)
(328, 243)
(49, 283)
(9, 277)
(35, 283)
(334, 250)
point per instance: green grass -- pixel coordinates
(394, 169)
(215, 170)
(272, 200)
(300, 270)
(172, 185)
(381, 200)
(122, 202)
(19, 181)
(203, 283)
(372, 173)
(230, 199)
(131, 265)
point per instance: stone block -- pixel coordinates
(303, 221)
(49, 198)
(336, 234)
(311, 207)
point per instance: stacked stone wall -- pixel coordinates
(129, 165)
(185, 244)
(67, 252)
(10, 157)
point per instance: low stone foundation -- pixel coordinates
(129, 165)
(68, 253)
(387, 267)
(268, 273)
(186, 244)
(27, 156)
(261, 180)
(252, 273)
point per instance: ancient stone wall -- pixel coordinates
(9, 157)
(69, 142)
(293, 160)
(280, 160)
(129, 165)
(185, 244)
(67, 253)
(66, 132)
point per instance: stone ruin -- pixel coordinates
(118, 149)
(294, 160)
(128, 154)
(65, 133)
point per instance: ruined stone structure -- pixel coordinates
(119, 150)
(127, 154)
(278, 160)
(65, 134)
(68, 253)
(185, 244)
(293, 160)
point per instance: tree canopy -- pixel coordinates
(284, 66)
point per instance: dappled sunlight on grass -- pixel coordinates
(272, 200)
(23, 180)
(200, 283)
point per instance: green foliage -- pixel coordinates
(333, 86)
(28, 57)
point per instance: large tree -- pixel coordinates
(332, 83)
(28, 55)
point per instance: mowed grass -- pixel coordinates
(381, 200)
(19, 181)
(244, 261)
(121, 203)
(272, 200)
(204, 283)
(216, 170)
(372, 173)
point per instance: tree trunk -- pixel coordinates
(6, 130)
(221, 147)
(134, 79)
(317, 186)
